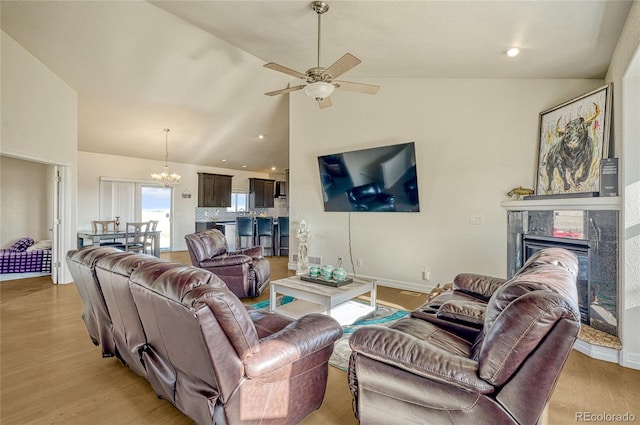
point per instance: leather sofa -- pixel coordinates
(215, 359)
(245, 271)
(369, 197)
(447, 369)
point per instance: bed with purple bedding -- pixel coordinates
(25, 256)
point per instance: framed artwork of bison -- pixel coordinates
(573, 137)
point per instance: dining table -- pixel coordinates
(96, 237)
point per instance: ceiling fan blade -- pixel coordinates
(325, 103)
(283, 91)
(342, 65)
(280, 68)
(357, 87)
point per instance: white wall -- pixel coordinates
(475, 141)
(624, 72)
(92, 166)
(24, 186)
(40, 123)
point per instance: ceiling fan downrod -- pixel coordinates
(319, 7)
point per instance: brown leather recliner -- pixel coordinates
(95, 314)
(113, 273)
(417, 371)
(219, 362)
(246, 272)
(215, 359)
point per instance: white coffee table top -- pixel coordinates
(313, 297)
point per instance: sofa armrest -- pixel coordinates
(478, 285)
(418, 357)
(295, 341)
(226, 260)
(253, 252)
(468, 312)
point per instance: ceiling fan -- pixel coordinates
(320, 81)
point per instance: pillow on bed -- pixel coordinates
(40, 245)
(21, 245)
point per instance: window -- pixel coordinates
(239, 202)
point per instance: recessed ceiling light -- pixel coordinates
(224, 160)
(512, 52)
(261, 136)
(244, 166)
(273, 168)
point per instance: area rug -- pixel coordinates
(383, 316)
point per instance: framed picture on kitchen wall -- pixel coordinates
(573, 137)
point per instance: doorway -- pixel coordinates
(155, 204)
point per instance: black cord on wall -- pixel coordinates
(353, 268)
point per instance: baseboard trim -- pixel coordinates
(408, 286)
(597, 352)
(630, 360)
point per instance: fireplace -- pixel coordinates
(580, 248)
(592, 236)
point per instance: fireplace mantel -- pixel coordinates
(595, 203)
(536, 218)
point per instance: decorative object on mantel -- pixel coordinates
(518, 192)
(165, 178)
(302, 233)
(609, 177)
(573, 137)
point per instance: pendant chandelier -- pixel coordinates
(165, 178)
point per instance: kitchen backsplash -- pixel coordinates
(219, 214)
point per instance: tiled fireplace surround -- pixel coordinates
(533, 224)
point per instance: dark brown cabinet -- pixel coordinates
(261, 193)
(214, 190)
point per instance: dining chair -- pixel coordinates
(264, 234)
(283, 235)
(148, 245)
(244, 231)
(106, 226)
(136, 236)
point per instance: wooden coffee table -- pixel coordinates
(317, 298)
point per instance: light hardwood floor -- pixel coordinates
(52, 374)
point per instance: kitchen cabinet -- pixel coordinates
(207, 225)
(214, 190)
(261, 193)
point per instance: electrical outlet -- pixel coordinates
(426, 273)
(476, 219)
(359, 262)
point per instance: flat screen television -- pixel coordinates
(382, 179)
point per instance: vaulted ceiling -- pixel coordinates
(196, 67)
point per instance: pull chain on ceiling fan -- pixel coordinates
(320, 81)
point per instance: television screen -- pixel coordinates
(375, 179)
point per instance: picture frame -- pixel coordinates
(572, 139)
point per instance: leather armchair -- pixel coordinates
(221, 363)
(369, 197)
(416, 371)
(246, 272)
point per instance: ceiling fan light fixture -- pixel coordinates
(319, 90)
